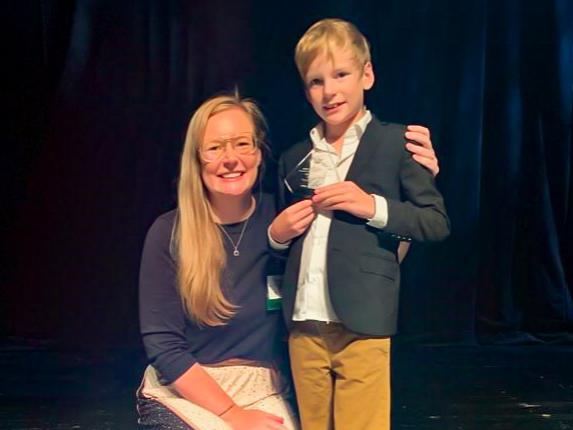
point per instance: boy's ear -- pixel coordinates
(368, 76)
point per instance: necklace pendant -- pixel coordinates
(236, 253)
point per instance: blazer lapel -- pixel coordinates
(369, 144)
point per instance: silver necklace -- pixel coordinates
(235, 246)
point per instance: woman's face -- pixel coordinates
(234, 172)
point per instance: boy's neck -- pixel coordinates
(334, 134)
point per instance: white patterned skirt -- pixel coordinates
(251, 386)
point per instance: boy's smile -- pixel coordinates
(335, 88)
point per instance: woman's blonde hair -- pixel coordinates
(325, 35)
(196, 238)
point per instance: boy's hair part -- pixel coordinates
(325, 35)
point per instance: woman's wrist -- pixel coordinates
(228, 410)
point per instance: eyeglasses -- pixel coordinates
(214, 150)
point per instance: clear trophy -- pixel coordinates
(317, 168)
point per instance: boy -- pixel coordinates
(341, 283)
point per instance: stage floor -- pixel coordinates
(437, 387)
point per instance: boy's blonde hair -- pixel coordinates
(325, 35)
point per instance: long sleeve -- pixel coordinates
(422, 216)
(161, 314)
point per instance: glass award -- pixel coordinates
(316, 169)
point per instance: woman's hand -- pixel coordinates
(252, 419)
(293, 221)
(197, 386)
(420, 145)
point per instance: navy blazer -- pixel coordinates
(363, 273)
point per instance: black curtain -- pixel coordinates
(99, 95)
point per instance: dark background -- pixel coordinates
(97, 95)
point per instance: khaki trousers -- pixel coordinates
(342, 379)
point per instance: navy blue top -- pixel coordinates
(172, 341)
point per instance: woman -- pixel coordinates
(203, 286)
(211, 338)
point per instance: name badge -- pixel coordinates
(274, 297)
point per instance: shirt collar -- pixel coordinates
(354, 132)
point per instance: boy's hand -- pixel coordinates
(420, 145)
(293, 221)
(345, 196)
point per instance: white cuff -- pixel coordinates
(277, 246)
(380, 218)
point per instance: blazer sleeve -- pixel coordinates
(281, 189)
(421, 214)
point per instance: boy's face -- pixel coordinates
(335, 89)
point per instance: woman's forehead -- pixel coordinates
(227, 124)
